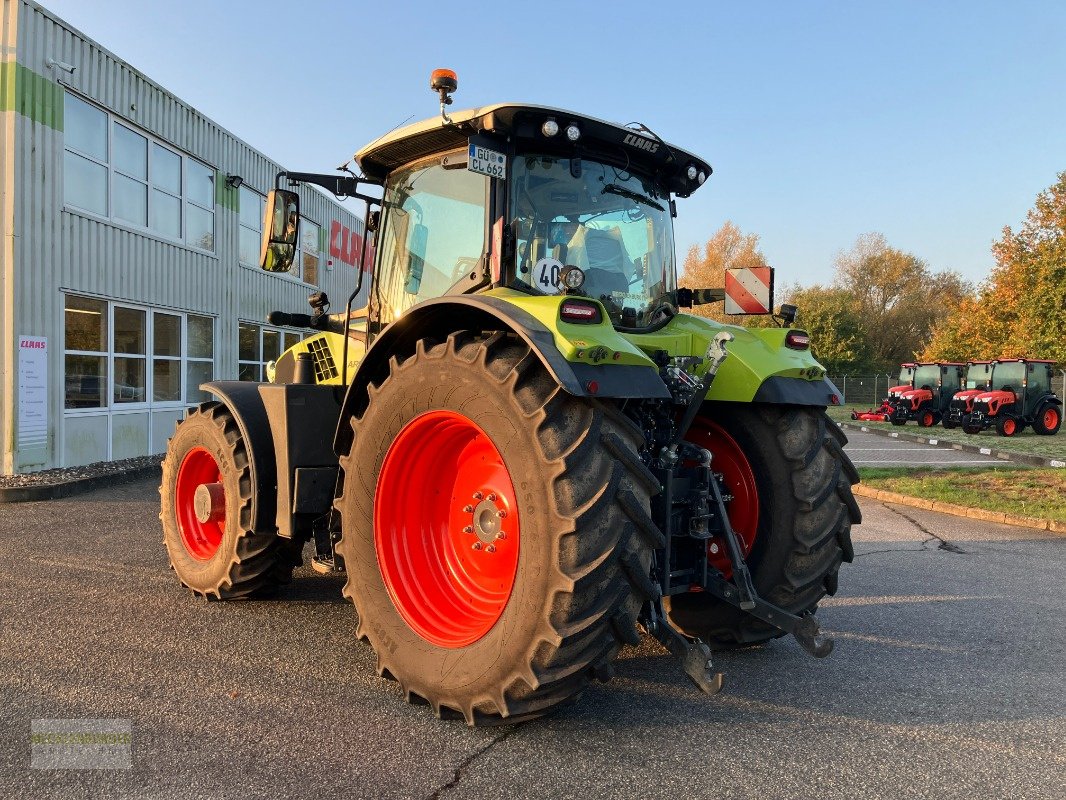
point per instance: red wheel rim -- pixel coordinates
(1051, 418)
(201, 539)
(446, 528)
(728, 459)
(1008, 427)
(927, 419)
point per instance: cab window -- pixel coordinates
(433, 234)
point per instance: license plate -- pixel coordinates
(486, 162)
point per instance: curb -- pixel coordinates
(1005, 455)
(53, 491)
(1054, 526)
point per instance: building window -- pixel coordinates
(257, 346)
(117, 172)
(307, 253)
(152, 357)
(85, 360)
(251, 219)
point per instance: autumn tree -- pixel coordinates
(1020, 311)
(832, 318)
(899, 301)
(705, 265)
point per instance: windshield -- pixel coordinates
(1008, 375)
(977, 376)
(927, 376)
(906, 374)
(613, 225)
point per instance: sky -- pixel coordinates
(934, 123)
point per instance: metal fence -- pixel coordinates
(865, 387)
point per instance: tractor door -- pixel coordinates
(433, 235)
(1037, 386)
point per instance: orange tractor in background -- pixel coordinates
(978, 380)
(1020, 395)
(927, 401)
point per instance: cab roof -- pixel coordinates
(522, 122)
(1025, 360)
(940, 364)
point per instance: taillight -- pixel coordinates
(580, 311)
(798, 340)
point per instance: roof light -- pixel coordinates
(573, 133)
(701, 178)
(572, 277)
(550, 127)
(691, 172)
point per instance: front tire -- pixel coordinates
(458, 432)
(802, 532)
(206, 511)
(1006, 426)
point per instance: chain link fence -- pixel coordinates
(870, 388)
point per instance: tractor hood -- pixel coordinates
(896, 391)
(994, 399)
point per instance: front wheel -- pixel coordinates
(950, 423)
(1006, 426)
(926, 419)
(791, 506)
(206, 511)
(898, 421)
(496, 531)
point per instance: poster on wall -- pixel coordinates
(33, 400)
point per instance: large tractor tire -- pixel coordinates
(496, 531)
(1048, 420)
(206, 511)
(792, 508)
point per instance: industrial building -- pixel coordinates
(129, 246)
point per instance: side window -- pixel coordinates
(433, 234)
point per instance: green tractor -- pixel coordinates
(522, 452)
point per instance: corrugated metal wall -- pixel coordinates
(59, 250)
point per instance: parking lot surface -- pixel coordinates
(873, 450)
(946, 682)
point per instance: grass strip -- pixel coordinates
(1039, 493)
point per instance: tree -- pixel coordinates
(832, 318)
(899, 301)
(1021, 309)
(704, 268)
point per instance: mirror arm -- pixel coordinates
(686, 298)
(340, 185)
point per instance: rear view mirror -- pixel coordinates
(280, 226)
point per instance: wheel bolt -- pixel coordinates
(492, 497)
(477, 545)
(468, 529)
(501, 535)
(491, 548)
(468, 509)
(501, 513)
(479, 496)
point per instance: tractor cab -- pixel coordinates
(978, 380)
(906, 381)
(933, 386)
(1019, 395)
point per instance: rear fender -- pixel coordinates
(631, 375)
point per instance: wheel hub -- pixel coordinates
(209, 502)
(487, 516)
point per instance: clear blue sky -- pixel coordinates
(935, 123)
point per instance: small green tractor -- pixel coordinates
(522, 452)
(978, 379)
(927, 401)
(1020, 395)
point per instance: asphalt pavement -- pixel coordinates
(872, 450)
(946, 682)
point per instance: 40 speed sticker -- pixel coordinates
(486, 162)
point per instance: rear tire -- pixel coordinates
(806, 510)
(580, 534)
(950, 423)
(1048, 421)
(223, 557)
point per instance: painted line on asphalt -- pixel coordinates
(869, 463)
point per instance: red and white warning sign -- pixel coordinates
(749, 290)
